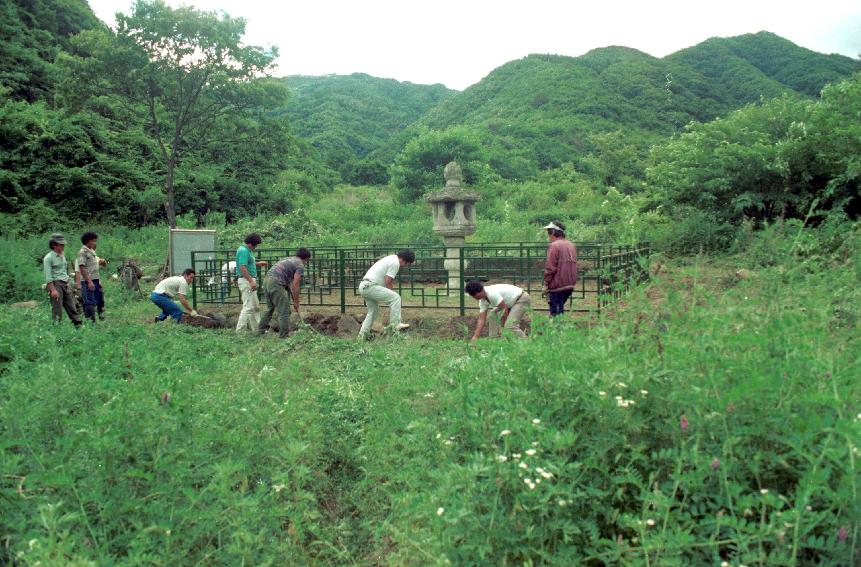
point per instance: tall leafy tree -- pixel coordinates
(181, 71)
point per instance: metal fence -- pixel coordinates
(333, 274)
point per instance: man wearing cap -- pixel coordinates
(280, 286)
(509, 300)
(57, 281)
(376, 288)
(560, 268)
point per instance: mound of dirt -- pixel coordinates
(334, 325)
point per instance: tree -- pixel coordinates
(180, 71)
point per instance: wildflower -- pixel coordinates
(602, 393)
(278, 487)
(618, 398)
(724, 564)
(622, 385)
(715, 464)
(547, 475)
(165, 398)
(529, 483)
(448, 441)
(523, 466)
(440, 511)
(763, 491)
(530, 452)
(515, 456)
(535, 443)
(842, 534)
(562, 503)
(644, 392)
(650, 522)
(438, 435)
(429, 395)
(683, 422)
(501, 458)
(504, 432)
(536, 421)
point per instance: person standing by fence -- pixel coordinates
(246, 273)
(91, 288)
(560, 269)
(280, 286)
(376, 289)
(57, 281)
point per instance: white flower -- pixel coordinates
(278, 487)
(505, 432)
(438, 435)
(644, 392)
(529, 483)
(622, 385)
(650, 522)
(602, 393)
(515, 456)
(523, 466)
(618, 398)
(440, 511)
(429, 395)
(763, 491)
(562, 503)
(448, 441)
(530, 452)
(535, 443)
(536, 421)
(724, 564)
(501, 458)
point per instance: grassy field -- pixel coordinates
(712, 418)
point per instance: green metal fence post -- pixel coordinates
(342, 274)
(194, 285)
(460, 290)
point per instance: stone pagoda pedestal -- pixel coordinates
(453, 219)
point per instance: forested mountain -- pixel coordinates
(347, 116)
(541, 111)
(76, 144)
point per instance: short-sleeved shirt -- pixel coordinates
(386, 266)
(499, 293)
(55, 267)
(245, 257)
(88, 259)
(172, 286)
(286, 269)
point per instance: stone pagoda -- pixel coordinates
(453, 218)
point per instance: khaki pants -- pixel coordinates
(65, 300)
(376, 295)
(512, 324)
(278, 300)
(249, 317)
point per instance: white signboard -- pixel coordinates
(183, 242)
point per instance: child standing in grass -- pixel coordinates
(91, 288)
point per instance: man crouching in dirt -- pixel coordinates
(285, 277)
(376, 288)
(511, 300)
(169, 288)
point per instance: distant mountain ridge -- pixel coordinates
(347, 116)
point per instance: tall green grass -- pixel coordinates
(713, 419)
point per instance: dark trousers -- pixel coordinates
(278, 301)
(65, 300)
(557, 301)
(93, 300)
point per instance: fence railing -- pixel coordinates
(333, 274)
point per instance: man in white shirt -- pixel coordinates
(166, 290)
(376, 288)
(507, 299)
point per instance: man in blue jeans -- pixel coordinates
(87, 263)
(166, 290)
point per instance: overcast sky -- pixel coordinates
(457, 43)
